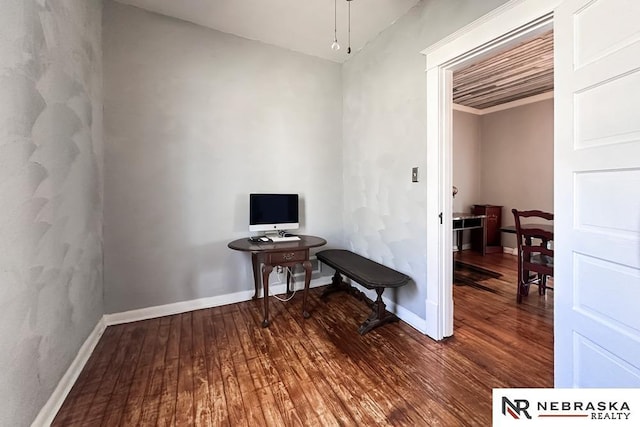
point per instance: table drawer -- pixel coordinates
(276, 258)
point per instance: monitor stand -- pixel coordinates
(272, 234)
(280, 237)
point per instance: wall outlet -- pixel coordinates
(414, 174)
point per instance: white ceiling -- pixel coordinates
(302, 25)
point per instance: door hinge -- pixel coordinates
(440, 216)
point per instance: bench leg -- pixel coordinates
(379, 316)
(337, 285)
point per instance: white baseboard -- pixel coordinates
(510, 251)
(197, 304)
(432, 321)
(465, 246)
(52, 406)
(410, 317)
(50, 409)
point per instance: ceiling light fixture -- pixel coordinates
(335, 46)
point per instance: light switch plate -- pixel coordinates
(414, 174)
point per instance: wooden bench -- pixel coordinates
(369, 274)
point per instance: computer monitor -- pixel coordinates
(273, 212)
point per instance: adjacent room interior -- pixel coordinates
(502, 159)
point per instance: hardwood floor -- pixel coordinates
(219, 367)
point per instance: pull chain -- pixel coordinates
(349, 27)
(335, 21)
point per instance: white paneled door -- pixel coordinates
(597, 193)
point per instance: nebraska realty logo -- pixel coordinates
(570, 406)
(594, 410)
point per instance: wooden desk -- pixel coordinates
(285, 254)
(488, 239)
(467, 221)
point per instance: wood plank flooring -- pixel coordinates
(218, 367)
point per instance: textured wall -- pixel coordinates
(50, 195)
(195, 120)
(466, 163)
(385, 135)
(517, 160)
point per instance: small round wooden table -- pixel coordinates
(285, 254)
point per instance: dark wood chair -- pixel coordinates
(535, 258)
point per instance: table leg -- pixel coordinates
(255, 263)
(288, 281)
(307, 282)
(266, 271)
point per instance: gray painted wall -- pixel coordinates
(51, 290)
(497, 159)
(517, 160)
(195, 120)
(466, 164)
(384, 90)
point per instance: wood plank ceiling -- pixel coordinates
(525, 70)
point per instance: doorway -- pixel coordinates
(503, 139)
(502, 29)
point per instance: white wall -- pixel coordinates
(466, 163)
(50, 195)
(384, 90)
(195, 120)
(517, 160)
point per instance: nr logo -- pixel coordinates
(516, 409)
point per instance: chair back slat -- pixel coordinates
(534, 213)
(535, 233)
(534, 253)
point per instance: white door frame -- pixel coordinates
(502, 28)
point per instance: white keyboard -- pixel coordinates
(284, 239)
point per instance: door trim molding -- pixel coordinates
(502, 28)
